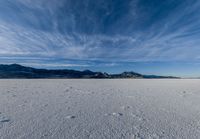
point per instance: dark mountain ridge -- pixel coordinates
(19, 71)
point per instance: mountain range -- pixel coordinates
(19, 71)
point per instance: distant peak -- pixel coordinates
(87, 70)
(15, 65)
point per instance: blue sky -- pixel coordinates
(147, 36)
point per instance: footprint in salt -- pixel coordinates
(184, 93)
(126, 107)
(4, 119)
(67, 90)
(71, 117)
(45, 105)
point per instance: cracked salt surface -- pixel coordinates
(100, 109)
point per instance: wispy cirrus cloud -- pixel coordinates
(100, 30)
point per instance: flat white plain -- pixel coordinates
(100, 109)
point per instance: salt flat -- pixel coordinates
(100, 109)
